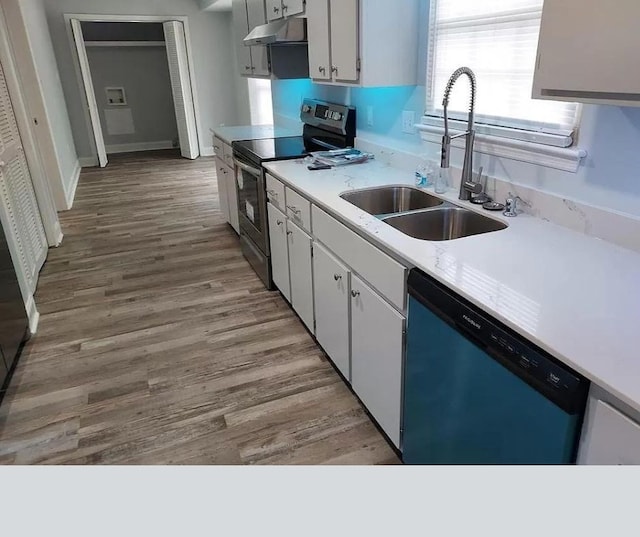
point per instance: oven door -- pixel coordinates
(252, 207)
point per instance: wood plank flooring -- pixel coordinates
(158, 344)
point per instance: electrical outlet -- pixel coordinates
(370, 116)
(408, 121)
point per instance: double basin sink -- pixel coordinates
(420, 215)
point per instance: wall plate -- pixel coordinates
(116, 96)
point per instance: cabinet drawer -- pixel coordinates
(612, 437)
(218, 147)
(275, 192)
(298, 209)
(385, 274)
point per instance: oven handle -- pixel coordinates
(249, 169)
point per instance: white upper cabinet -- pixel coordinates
(363, 43)
(240, 30)
(252, 61)
(344, 40)
(256, 13)
(319, 39)
(278, 9)
(587, 52)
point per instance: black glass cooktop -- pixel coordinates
(271, 148)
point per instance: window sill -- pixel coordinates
(560, 158)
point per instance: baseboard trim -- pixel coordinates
(141, 146)
(32, 314)
(70, 191)
(207, 151)
(88, 162)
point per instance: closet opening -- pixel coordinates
(137, 80)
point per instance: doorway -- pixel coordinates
(138, 83)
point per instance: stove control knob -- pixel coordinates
(306, 109)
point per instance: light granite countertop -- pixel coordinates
(575, 296)
(253, 132)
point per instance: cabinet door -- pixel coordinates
(260, 61)
(377, 340)
(279, 250)
(300, 270)
(584, 47)
(292, 7)
(344, 40)
(611, 437)
(223, 196)
(274, 10)
(241, 30)
(331, 305)
(318, 37)
(256, 13)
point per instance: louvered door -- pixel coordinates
(18, 197)
(181, 87)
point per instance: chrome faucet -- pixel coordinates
(467, 184)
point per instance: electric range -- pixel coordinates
(326, 126)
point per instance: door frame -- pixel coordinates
(89, 17)
(35, 160)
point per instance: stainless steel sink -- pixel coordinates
(390, 199)
(443, 224)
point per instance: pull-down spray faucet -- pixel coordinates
(467, 185)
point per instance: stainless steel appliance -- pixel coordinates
(13, 317)
(326, 126)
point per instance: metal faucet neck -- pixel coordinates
(467, 169)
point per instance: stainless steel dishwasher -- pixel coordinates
(475, 392)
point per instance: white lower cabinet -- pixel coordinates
(227, 193)
(610, 437)
(331, 298)
(291, 263)
(279, 250)
(377, 339)
(300, 273)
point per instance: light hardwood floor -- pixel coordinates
(157, 343)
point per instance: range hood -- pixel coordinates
(283, 32)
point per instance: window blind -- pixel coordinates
(498, 40)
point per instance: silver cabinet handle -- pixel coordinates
(334, 69)
(276, 9)
(247, 68)
(294, 209)
(337, 277)
(272, 193)
(284, 8)
(355, 294)
(289, 232)
(279, 222)
(322, 69)
(225, 172)
(216, 147)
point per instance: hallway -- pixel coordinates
(158, 344)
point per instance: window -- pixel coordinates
(260, 102)
(498, 40)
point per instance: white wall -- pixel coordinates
(211, 44)
(143, 72)
(44, 96)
